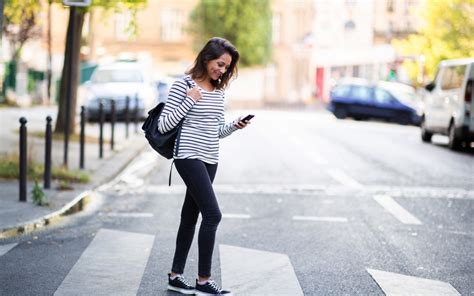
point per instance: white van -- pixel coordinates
(448, 103)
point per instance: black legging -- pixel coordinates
(200, 197)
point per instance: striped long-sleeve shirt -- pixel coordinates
(203, 124)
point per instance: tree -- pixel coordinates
(245, 23)
(49, 70)
(2, 5)
(20, 24)
(447, 33)
(21, 18)
(107, 5)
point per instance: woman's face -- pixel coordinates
(217, 67)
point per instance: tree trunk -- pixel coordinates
(49, 63)
(61, 118)
(2, 3)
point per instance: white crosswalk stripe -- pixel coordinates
(321, 219)
(398, 284)
(5, 248)
(344, 179)
(396, 210)
(240, 267)
(113, 264)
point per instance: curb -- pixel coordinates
(76, 205)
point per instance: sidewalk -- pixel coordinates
(22, 217)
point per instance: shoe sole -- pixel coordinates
(182, 291)
(207, 294)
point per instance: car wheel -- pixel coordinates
(340, 112)
(454, 142)
(425, 134)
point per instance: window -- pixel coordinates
(342, 91)
(110, 76)
(389, 5)
(381, 96)
(452, 77)
(351, 3)
(361, 93)
(171, 25)
(276, 27)
(122, 26)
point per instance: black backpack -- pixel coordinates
(162, 143)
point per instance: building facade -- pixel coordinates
(314, 43)
(344, 47)
(396, 19)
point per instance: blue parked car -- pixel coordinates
(361, 99)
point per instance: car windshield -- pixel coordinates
(407, 97)
(108, 76)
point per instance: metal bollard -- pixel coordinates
(127, 104)
(112, 125)
(23, 159)
(82, 138)
(47, 154)
(101, 130)
(135, 115)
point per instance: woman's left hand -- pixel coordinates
(240, 124)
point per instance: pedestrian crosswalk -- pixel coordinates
(114, 264)
(5, 248)
(399, 284)
(242, 269)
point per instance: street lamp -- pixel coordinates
(73, 4)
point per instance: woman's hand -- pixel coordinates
(240, 124)
(194, 93)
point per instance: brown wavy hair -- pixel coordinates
(213, 49)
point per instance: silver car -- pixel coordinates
(120, 82)
(448, 103)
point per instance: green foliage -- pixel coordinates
(39, 198)
(447, 33)
(117, 6)
(21, 19)
(17, 11)
(246, 23)
(10, 169)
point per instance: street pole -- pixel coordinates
(69, 89)
(2, 3)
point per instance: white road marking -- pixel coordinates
(316, 189)
(344, 179)
(113, 264)
(128, 215)
(399, 284)
(242, 271)
(5, 248)
(235, 216)
(322, 219)
(309, 153)
(132, 175)
(397, 210)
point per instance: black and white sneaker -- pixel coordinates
(179, 284)
(210, 288)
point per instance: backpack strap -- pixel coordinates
(190, 83)
(171, 170)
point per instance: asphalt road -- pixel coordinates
(312, 205)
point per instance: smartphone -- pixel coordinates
(247, 118)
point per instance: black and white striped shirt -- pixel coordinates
(203, 123)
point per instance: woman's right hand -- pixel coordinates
(195, 93)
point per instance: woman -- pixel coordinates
(196, 155)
